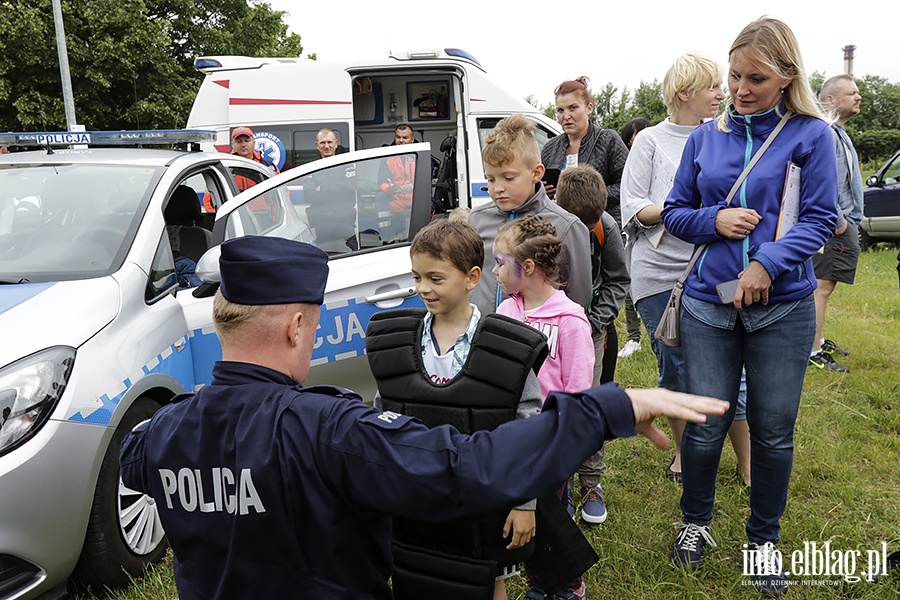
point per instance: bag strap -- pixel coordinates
(736, 186)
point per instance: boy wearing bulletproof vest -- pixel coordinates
(449, 365)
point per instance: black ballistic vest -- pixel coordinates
(484, 395)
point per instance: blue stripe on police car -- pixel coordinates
(14, 295)
(341, 335)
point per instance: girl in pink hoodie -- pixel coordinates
(527, 252)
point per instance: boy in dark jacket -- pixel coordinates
(582, 192)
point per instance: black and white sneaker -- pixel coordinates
(769, 577)
(829, 347)
(689, 546)
(826, 362)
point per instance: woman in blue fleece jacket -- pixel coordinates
(769, 324)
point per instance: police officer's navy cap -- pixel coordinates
(271, 270)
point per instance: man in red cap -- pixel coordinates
(242, 143)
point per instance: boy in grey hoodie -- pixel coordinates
(512, 163)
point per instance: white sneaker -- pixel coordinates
(629, 348)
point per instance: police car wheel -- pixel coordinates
(124, 533)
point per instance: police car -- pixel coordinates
(103, 320)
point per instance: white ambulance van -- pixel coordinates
(446, 96)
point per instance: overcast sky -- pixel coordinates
(622, 42)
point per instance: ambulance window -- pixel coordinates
(303, 141)
(295, 144)
(543, 136)
(486, 125)
(341, 209)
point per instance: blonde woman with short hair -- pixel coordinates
(692, 91)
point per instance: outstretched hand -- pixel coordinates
(651, 403)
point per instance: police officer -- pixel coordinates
(268, 489)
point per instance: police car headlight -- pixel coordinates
(29, 390)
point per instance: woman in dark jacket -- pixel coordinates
(584, 143)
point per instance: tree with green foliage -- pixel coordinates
(880, 108)
(131, 61)
(610, 107)
(648, 103)
(816, 80)
(875, 131)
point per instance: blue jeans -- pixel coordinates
(670, 361)
(773, 347)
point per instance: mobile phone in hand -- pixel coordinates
(727, 290)
(551, 176)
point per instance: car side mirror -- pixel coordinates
(208, 272)
(871, 181)
(208, 266)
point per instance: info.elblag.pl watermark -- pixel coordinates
(817, 564)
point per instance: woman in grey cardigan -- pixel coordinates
(692, 90)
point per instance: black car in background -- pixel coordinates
(881, 200)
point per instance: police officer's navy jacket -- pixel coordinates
(267, 489)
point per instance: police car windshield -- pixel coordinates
(68, 221)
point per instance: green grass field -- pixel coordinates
(845, 487)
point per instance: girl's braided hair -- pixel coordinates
(534, 238)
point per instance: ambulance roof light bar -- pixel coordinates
(432, 53)
(107, 138)
(209, 64)
(461, 54)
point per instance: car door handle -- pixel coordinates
(398, 294)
